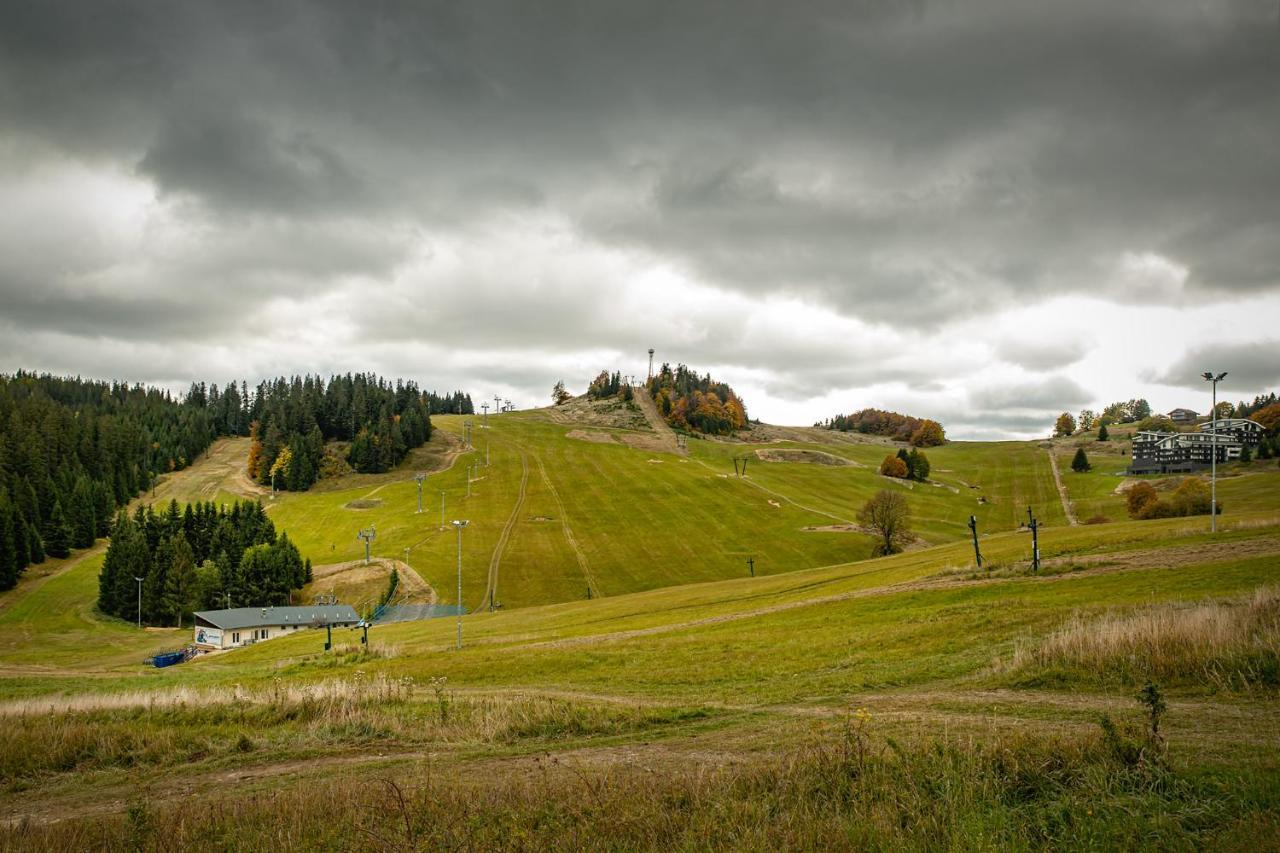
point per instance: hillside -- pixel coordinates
(682, 680)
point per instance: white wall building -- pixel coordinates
(240, 626)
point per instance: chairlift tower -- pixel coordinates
(1034, 524)
(367, 535)
(418, 478)
(973, 525)
(485, 408)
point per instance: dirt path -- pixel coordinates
(568, 533)
(1067, 508)
(495, 561)
(665, 433)
(411, 583)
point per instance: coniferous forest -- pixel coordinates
(201, 556)
(72, 451)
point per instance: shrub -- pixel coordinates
(892, 466)
(1139, 497)
(1097, 519)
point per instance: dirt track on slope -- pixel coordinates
(1067, 508)
(665, 434)
(495, 561)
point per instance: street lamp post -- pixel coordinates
(442, 509)
(1213, 452)
(458, 525)
(139, 580)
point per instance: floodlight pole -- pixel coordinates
(442, 509)
(139, 580)
(458, 525)
(650, 362)
(973, 525)
(1213, 453)
(419, 478)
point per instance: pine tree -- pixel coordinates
(1080, 463)
(1102, 433)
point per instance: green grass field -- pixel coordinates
(684, 704)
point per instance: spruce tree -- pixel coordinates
(81, 516)
(8, 549)
(1080, 463)
(180, 583)
(1102, 433)
(36, 545)
(57, 533)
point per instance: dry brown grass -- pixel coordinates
(1228, 644)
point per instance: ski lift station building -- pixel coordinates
(241, 626)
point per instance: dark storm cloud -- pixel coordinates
(1250, 367)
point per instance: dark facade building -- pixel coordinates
(1184, 452)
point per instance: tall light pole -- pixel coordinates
(139, 580)
(442, 509)
(1213, 451)
(458, 525)
(650, 362)
(418, 478)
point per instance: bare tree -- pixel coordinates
(887, 516)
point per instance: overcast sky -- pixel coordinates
(980, 212)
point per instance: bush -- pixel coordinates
(892, 466)
(1139, 497)
(1097, 519)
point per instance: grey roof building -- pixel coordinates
(225, 629)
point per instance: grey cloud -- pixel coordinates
(1042, 355)
(1251, 367)
(1051, 393)
(243, 164)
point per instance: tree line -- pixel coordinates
(204, 556)
(294, 418)
(919, 432)
(698, 403)
(73, 450)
